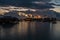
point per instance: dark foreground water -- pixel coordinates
(55, 31)
(26, 31)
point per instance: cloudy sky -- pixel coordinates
(57, 7)
(27, 3)
(19, 2)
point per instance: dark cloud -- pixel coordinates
(42, 5)
(27, 3)
(19, 2)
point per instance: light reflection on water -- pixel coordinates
(56, 30)
(26, 30)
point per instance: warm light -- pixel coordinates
(37, 16)
(30, 15)
(26, 15)
(3, 11)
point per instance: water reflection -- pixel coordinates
(26, 30)
(56, 30)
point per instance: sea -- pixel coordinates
(30, 30)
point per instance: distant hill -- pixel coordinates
(55, 14)
(12, 14)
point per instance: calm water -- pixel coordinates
(55, 31)
(30, 31)
(26, 31)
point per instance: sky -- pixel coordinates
(57, 8)
(28, 3)
(18, 2)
